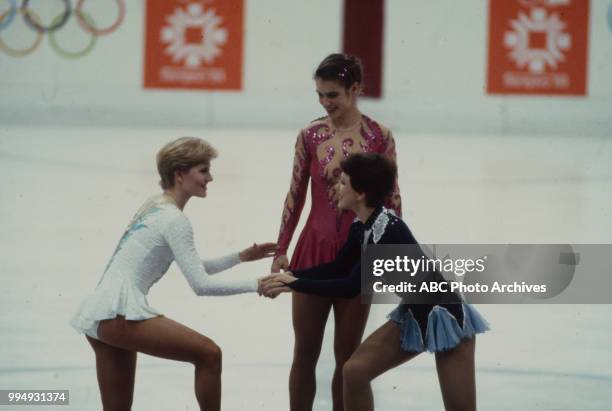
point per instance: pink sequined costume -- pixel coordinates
(318, 152)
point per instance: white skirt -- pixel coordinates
(110, 299)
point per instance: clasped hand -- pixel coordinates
(274, 284)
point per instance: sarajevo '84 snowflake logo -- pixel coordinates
(537, 41)
(193, 35)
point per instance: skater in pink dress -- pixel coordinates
(116, 317)
(319, 149)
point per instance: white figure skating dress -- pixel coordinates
(158, 234)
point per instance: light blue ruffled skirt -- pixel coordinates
(443, 330)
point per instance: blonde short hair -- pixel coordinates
(180, 155)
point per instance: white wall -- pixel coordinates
(435, 72)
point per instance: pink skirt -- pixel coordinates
(319, 243)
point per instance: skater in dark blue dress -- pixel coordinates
(447, 329)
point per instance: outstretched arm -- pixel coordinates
(333, 279)
(347, 256)
(216, 265)
(179, 236)
(320, 280)
(343, 287)
(252, 253)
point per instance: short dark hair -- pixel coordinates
(343, 68)
(373, 174)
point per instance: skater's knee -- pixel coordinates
(342, 354)
(306, 354)
(355, 372)
(210, 355)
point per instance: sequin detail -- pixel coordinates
(346, 146)
(321, 164)
(379, 226)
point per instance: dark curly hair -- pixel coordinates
(371, 173)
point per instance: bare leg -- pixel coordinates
(310, 314)
(165, 338)
(380, 352)
(351, 316)
(456, 373)
(116, 369)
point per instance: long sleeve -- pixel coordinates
(342, 277)
(345, 287)
(216, 265)
(294, 202)
(395, 200)
(325, 270)
(334, 279)
(179, 236)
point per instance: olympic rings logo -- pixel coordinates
(33, 21)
